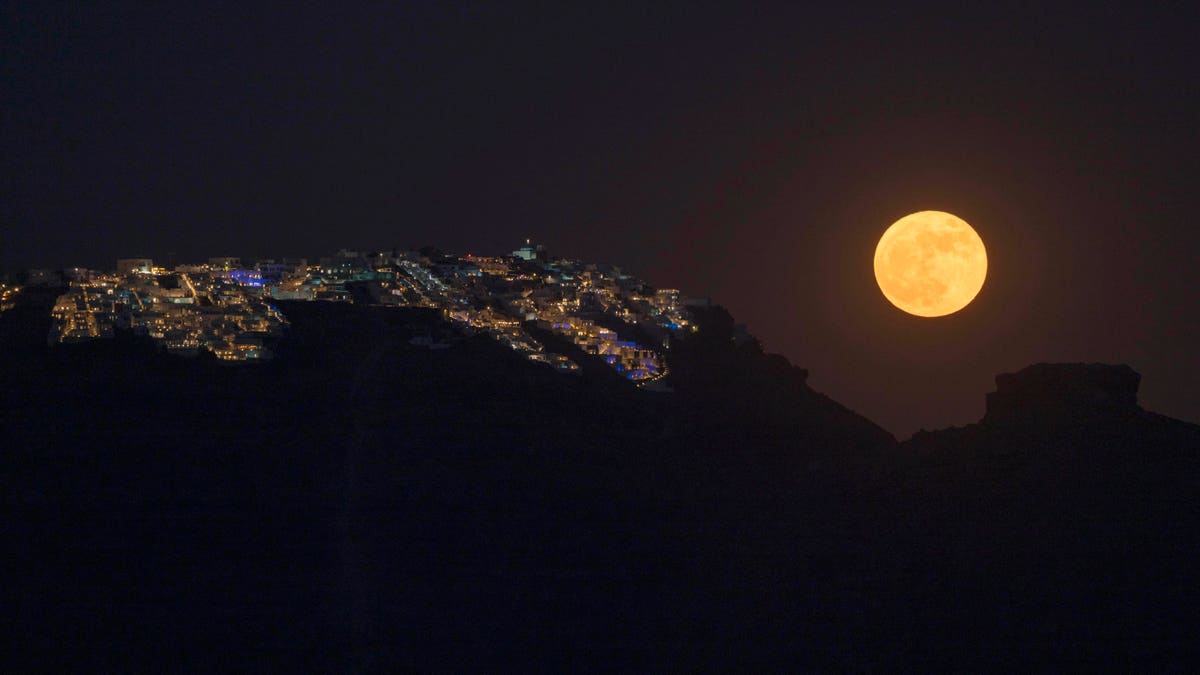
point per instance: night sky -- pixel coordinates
(750, 154)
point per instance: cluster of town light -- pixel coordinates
(8, 296)
(231, 309)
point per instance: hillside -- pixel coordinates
(365, 503)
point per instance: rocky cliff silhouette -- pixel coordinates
(1064, 393)
(1064, 518)
(364, 504)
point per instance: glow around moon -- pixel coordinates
(930, 263)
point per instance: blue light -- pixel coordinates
(247, 277)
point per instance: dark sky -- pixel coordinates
(750, 153)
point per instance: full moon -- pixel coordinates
(930, 263)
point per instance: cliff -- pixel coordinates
(1064, 393)
(1062, 516)
(363, 504)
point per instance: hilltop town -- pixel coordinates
(230, 307)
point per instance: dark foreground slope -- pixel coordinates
(364, 504)
(1064, 526)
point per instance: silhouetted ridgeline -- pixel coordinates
(362, 503)
(1064, 392)
(1066, 520)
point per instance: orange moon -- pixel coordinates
(930, 263)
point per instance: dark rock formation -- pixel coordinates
(360, 504)
(1067, 520)
(1064, 393)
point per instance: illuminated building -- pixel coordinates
(135, 266)
(247, 277)
(8, 297)
(530, 252)
(225, 263)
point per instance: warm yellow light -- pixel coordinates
(930, 263)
